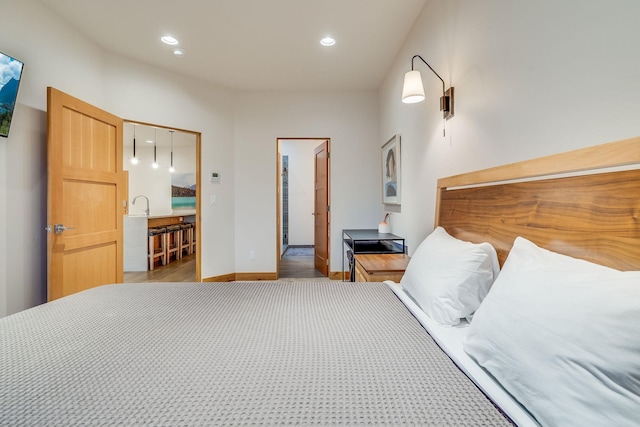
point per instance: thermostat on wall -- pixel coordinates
(215, 177)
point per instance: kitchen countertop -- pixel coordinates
(171, 215)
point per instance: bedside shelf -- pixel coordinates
(379, 267)
(369, 241)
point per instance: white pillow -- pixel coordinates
(562, 335)
(448, 278)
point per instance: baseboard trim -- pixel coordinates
(338, 275)
(232, 277)
(224, 278)
(256, 276)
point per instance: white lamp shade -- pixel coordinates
(412, 90)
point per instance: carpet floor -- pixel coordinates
(293, 251)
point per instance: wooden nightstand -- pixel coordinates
(379, 267)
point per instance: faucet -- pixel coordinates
(146, 198)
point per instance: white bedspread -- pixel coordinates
(243, 353)
(450, 339)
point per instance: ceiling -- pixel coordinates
(163, 137)
(263, 45)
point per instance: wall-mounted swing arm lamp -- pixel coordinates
(413, 91)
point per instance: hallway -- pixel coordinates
(297, 262)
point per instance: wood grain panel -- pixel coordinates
(103, 147)
(84, 193)
(594, 217)
(380, 267)
(90, 214)
(256, 276)
(89, 144)
(383, 262)
(612, 154)
(164, 221)
(224, 278)
(80, 272)
(322, 215)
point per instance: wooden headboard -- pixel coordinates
(593, 214)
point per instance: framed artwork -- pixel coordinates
(391, 171)
(183, 191)
(10, 72)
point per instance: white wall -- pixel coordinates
(55, 55)
(301, 189)
(531, 79)
(349, 120)
(156, 183)
(145, 94)
(58, 56)
(150, 182)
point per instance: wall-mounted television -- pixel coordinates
(10, 73)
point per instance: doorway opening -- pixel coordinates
(303, 217)
(92, 252)
(285, 202)
(163, 183)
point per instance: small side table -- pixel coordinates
(369, 241)
(379, 267)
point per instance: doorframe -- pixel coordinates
(279, 193)
(198, 236)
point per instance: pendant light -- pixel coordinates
(134, 159)
(171, 168)
(155, 149)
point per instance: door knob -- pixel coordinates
(59, 228)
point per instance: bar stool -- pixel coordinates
(187, 237)
(193, 237)
(174, 241)
(159, 251)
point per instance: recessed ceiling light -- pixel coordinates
(169, 40)
(328, 41)
(178, 52)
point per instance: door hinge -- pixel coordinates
(327, 261)
(328, 208)
(328, 154)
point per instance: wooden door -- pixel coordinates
(279, 233)
(84, 196)
(322, 208)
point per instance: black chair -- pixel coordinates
(352, 266)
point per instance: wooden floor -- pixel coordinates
(297, 267)
(183, 270)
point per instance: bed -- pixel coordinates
(328, 353)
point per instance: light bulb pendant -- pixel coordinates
(134, 159)
(155, 150)
(171, 168)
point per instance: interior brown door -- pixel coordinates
(322, 209)
(84, 196)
